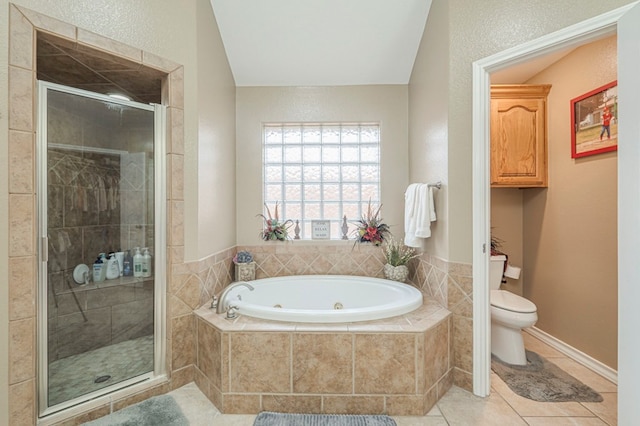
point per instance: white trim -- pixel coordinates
(572, 36)
(576, 355)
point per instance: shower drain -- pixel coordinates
(102, 379)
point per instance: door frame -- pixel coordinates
(572, 36)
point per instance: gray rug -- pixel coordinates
(159, 410)
(267, 418)
(543, 381)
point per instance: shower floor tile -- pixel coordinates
(75, 376)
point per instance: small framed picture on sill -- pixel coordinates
(320, 229)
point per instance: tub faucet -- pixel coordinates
(223, 303)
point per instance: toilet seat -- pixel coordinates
(508, 301)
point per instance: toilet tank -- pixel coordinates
(496, 268)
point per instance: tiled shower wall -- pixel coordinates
(24, 25)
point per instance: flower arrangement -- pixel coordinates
(274, 229)
(242, 256)
(370, 227)
(397, 254)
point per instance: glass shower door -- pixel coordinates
(98, 182)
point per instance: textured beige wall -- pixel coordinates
(506, 225)
(386, 104)
(477, 30)
(570, 229)
(428, 121)
(216, 93)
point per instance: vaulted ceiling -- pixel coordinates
(321, 42)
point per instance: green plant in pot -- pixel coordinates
(397, 256)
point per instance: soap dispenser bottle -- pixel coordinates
(99, 269)
(137, 264)
(146, 263)
(113, 271)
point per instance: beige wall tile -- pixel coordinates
(292, 403)
(177, 177)
(176, 131)
(436, 360)
(159, 63)
(93, 414)
(141, 396)
(21, 161)
(48, 24)
(176, 88)
(463, 343)
(109, 45)
(176, 225)
(22, 350)
(322, 363)
(183, 341)
(350, 404)
(377, 357)
(261, 362)
(21, 97)
(463, 379)
(22, 403)
(182, 377)
(21, 225)
(405, 405)
(209, 353)
(22, 278)
(445, 384)
(189, 293)
(203, 383)
(20, 40)
(240, 404)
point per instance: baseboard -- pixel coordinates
(576, 355)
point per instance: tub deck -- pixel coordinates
(397, 366)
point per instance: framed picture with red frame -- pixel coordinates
(594, 121)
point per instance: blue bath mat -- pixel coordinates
(159, 410)
(267, 418)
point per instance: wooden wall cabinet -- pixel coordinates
(519, 135)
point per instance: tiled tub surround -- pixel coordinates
(399, 366)
(447, 283)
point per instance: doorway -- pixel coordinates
(100, 174)
(623, 20)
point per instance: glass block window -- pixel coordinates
(321, 172)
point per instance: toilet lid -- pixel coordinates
(511, 302)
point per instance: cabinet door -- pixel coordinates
(518, 143)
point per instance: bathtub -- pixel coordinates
(325, 298)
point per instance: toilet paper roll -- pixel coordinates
(512, 272)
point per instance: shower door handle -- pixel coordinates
(44, 249)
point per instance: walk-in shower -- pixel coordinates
(101, 207)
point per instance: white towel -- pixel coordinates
(426, 212)
(410, 210)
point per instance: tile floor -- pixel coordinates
(75, 375)
(459, 407)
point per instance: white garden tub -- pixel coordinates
(324, 298)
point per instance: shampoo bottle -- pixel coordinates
(127, 266)
(137, 264)
(113, 271)
(146, 263)
(97, 270)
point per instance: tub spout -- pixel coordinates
(223, 303)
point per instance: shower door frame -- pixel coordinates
(160, 247)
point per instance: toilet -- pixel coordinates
(510, 313)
